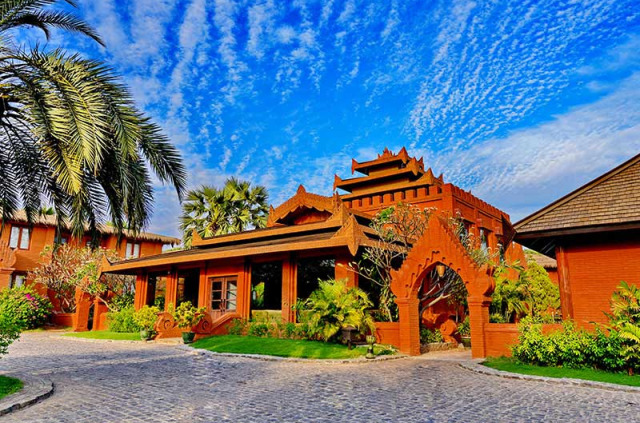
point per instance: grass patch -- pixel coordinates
(105, 334)
(277, 347)
(510, 365)
(9, 385)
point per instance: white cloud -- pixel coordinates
(532, 167)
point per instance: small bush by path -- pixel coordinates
(277, 347)
(511, 365)
(9, 385)
(105, 334)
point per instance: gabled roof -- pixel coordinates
(300, 201)
(608, 202)
(50, 220)
(347, 233)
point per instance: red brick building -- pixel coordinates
(313, 236)
(26, 242)
(594, 234)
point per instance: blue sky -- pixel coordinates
(519, 101)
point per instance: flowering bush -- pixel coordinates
(25, 307)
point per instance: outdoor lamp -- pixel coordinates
(440, 268)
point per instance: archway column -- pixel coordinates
(409, 322)
(478, 318)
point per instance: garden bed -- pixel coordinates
(9, 385)
(511, 365)
(437, 346)
(297, 348)
(105, 334)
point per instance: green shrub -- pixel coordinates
(237, 327)
(268, 328)
(9, 332)
(334, 306)
(25, 307)
(258, 329)
(568, 347)
(428, 336)
(123, 320)
(464, 328)
(146, 317)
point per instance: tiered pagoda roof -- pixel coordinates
(389, 171)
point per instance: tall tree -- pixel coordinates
(70, 134)
(234, 208)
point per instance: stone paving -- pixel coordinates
(101, 382)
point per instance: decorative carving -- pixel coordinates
(165, 322)
(205, 326)
(7, 256)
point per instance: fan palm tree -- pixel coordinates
(70, 135)
(234, 208)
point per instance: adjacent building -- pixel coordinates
(594, 235)
(26, 242)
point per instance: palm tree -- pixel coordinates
(234, 208)
(70, 134)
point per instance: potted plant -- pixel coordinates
(186, 317)
(464, 330)
(146, 318)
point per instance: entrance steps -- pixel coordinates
(169, 341)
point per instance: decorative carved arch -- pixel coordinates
(439, 245)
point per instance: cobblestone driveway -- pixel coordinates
(126, 382)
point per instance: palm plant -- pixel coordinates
(234, 208)
(70, 134)
(625, 318)
(334, 306)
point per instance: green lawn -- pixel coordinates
(277, 347)
(509, 365)
(9, 385)
(105, 334)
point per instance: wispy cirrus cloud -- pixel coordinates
(496, 94)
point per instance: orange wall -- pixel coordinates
(42, 236)
(596, 265)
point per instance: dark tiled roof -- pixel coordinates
(611, 199)
(544, 261)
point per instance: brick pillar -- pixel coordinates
(100, 310)
(5, 278)
(409, 325)
(172, 289)
(564, 283)
(204, 291)
(244, 291)
(289, 288)
(83, 305)
(343, 271)
(478, 318)
(142, 291)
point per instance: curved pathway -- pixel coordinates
(134, 382)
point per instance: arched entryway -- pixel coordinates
(439, 246)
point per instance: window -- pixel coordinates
(311, 270)
(132, 250)
(18, 279)
(483, 240)
(266, 286)
(19, 238)
(224, 291)
(188, 284)
(157, 289)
